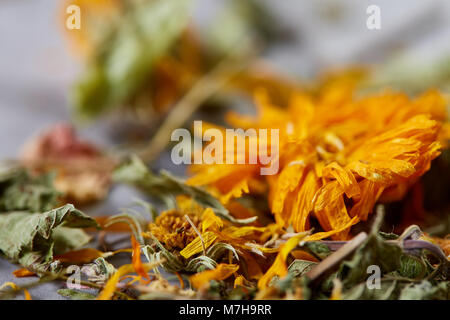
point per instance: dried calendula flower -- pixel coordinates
(338, 155)
(173, 230)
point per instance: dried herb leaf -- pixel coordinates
(373, 251)
(21, 192)
(300, 267)
(362, 292)
(145, 33)
(76, 295)
(32, 239)
(166, 187)
(426, 291)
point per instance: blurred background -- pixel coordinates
(38, 67)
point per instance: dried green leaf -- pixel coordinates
(166, 187)
(76, 295)
(126, 57)
(31, 239)
(373, 251)
(319, 249)
(299, 267)
(425, 290)
(101, 270)
(386, 291)
(21, 192)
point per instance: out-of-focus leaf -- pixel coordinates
(386, 291)
(21, 192)
(145, 33)
(247, 22)
(166, 187)
(31, 239)
(399, 75)
(426, 291)
(76, 295)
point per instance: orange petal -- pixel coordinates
(221, 272)
(279, 268)
(108, 291)
(116, 227)
(239, 281)
(304, 204)
(211, 221)
(236, 192)
(370, 193)
(345, 178)
(23, 272)
(322, 235)
(303, 255)
(330, 209)
(81, 256)
(136, 259)
(287, 182)
(110, 287)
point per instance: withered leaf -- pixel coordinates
(76, 295)
(128, 53)
(165, 187)
(19, 191)
(426, 291)
(32, 239)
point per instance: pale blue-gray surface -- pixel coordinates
(36, 70)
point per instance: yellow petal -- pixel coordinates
(15, 287)
(221, 272)
(210, 220)
(304, 204)
(239, 281)
(110, 287)
(322, 235)
(236, 192)
(345, 178)
(278, 268)
(195, 246)
(108, 291)
(287, 182)
(81, 256)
